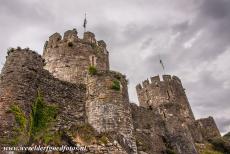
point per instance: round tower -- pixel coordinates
(108, 108)
(70, 57)
(157, 93)
(18, 88)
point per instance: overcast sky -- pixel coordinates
(191, 36)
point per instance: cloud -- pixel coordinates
(191, 37)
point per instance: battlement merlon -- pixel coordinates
(155, 80)
(72, 36)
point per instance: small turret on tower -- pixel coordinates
(157, 93)
(70, 57)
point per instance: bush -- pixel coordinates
(227, 136)
(92, 70)
(220, 144)
(116, 85)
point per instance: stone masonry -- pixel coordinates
(163, 123)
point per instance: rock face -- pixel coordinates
(95, 104)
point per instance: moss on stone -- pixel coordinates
(19, 115)
(85, 131)
(207, 149)
(92, 70)
(116, 85)
(41, 118)
(103, 139)
(170, 151)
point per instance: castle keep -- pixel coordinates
(74, 75)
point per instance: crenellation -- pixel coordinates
(102, 43)
(145, 83)
(166, 78)
(155, 79)
(138, 87)
(89, 37)
(70, 35)
(70, 58)
(176, 79)
(55, 37)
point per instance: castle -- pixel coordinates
(74, 74)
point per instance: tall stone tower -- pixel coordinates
(69, 58)
(157, 93)
(169, 98)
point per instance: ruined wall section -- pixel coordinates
(69, 58)
(21, 77)
(156, 131)
(108, 109)
(208, 128)
(149, 130)
(17, 85)
(177, 131)
(170, 90)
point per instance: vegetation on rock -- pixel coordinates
(19, 116)
(221, 144)
(92, 70)
(41, 119)
(116, 85)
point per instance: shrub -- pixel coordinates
(220, 144)
(227, 136)
(116, 85)
(92, 70)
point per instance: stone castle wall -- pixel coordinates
(21, 78)
(69, 58)
(157, 131)
(155, 93)
(208, 128)
(108, 109)
(164, 119)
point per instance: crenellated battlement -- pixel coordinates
(158, 91)
(70, 38)
(69, 57)
(155, 81)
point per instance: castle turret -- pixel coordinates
(170, 90)
(108, 108)
(69, 58)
